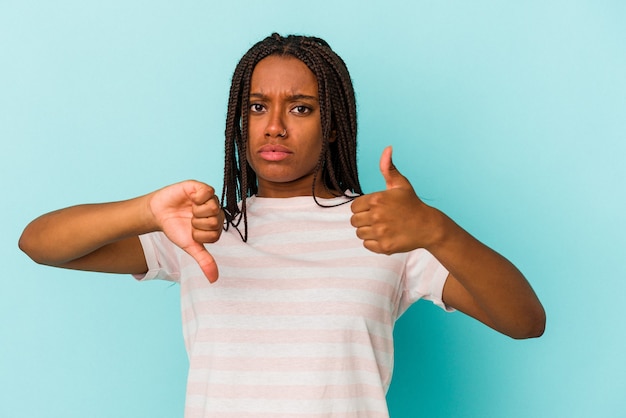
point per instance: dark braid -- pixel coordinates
(336, 168)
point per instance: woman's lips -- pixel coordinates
(274, 152)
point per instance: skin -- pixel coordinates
(104, 237)
(285, 129)
(481, 283)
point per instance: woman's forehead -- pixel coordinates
(280, 74)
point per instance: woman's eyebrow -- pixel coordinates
(302, 97)
(261, 96)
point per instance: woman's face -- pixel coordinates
(284, 127)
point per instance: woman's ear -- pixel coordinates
(333, 136)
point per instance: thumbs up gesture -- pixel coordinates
(394, 220)
(190, 215)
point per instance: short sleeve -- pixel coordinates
(161, 257)
(424, 278)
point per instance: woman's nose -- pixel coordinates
(276, 128)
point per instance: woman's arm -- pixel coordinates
(485, 285)
(482, 283)
(104, 237)
(97, 237)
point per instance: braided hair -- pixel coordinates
(336, 167)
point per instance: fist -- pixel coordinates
(189, 213)
(394, 220)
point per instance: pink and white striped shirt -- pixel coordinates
(300, 322)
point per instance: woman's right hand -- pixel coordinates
(190, 215)
(105, 237)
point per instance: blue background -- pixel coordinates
(509, 117)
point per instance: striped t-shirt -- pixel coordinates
(300, 322)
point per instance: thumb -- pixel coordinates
(205, 260)
(393, 178)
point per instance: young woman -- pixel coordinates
(312, 273)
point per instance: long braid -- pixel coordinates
(336, 167)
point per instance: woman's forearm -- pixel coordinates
(57, 238)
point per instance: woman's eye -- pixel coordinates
(255, 107)
(301, 110)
